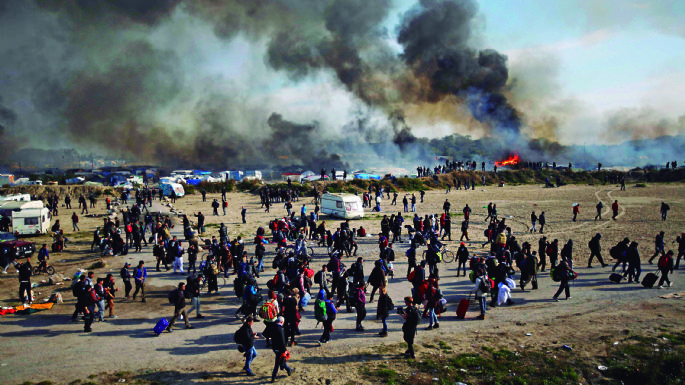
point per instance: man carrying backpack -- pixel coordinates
(330, 315)
(658, 246)
(481, 291)
(90, 298)
(562, 271)
(412, 317)
(595, 250)
(376, 278)
(177, 298)
(664, 210)
(245, 338)
(665, 266)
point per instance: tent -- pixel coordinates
(367, 176)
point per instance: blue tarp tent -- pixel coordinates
(193, 182)
(367, 176)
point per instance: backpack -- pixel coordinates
(359, 296)
(268, 311)
(388, 303)
(413, 316)
(663, 262)
(317, 278)
(273, 282)
(320, 310)
(553, 274)
(484, 287)
(172, 297)
(549, 251)
(77, 289)
(239, 336)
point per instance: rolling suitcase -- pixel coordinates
(649, 280)
(463, 307)
(616, 277)
(161, 326)
(534, 282)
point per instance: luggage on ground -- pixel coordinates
(649, 280)
(462, 308)
(161, 326)
(616, 278)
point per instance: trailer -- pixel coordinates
(28, 218)
(167, 188)
(346, 206)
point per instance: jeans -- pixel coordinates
(413, 208)
(195, 302)
(250, 355)
(432, 317)
(481, 303)
(385, 325)
(563, 286)
(101, 310)
(260, 263)
(277, 364)
(178, 263)
(75, 226)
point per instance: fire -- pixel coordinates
(511, 160)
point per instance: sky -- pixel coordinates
(613, 55)
(608, 56)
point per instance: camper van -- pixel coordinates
(168, 187)
(28, 218)
(16, 198)
(347, 206)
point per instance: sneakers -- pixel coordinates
(481, 317)
(189, 327)
(429, 327)
(113, 316)
(436, 326)
(291, 371)
(383, 334)
(555, 299)
(199, 316)
(568, 298)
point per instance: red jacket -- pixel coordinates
(614, 206)
(576, 209)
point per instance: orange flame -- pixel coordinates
(509, 161)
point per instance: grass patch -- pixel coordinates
(641, 185)
(636, 360)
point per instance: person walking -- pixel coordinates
(243, 213)
(215, 207)
(74, 222)
(542, 221)
(614, 208)
(633, 258)
(412, 317)
(126, 278)
(245, 336)
(599, 208)
(139, 275)
(100, 291)
(576, 211)
(658, 246)
(178, 257)
(562, 271)
(681, 249)
(177, 297)
(331, 312)
(666, 267)
(279, 348)
(385, 305)
(192, 291)
(360, 305)
(479, 290)
(664, 210)
(595, 250)
(110, 294)
(90, 298)
(533, 221)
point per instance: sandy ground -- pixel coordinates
(46, 346)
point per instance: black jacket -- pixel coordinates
(277, 338)
(25, 272)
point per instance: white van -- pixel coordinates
(346, 206)
(28, 218)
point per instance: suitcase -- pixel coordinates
(161, 326)
(616, 277)
(462, 308)
(534, 283)
(649, 280)
(124, 250)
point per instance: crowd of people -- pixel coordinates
(333, 285)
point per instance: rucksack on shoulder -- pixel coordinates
(320, 310)
(388, 303)
(239, 336)
(663, 262)
(268, 311)
(484, 284)
(172, 296)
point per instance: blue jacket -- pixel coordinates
(140, 274)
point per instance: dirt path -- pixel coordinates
(46, 346)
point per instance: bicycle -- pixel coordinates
(447, 255)
(43, 268)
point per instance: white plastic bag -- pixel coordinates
(504, 294)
